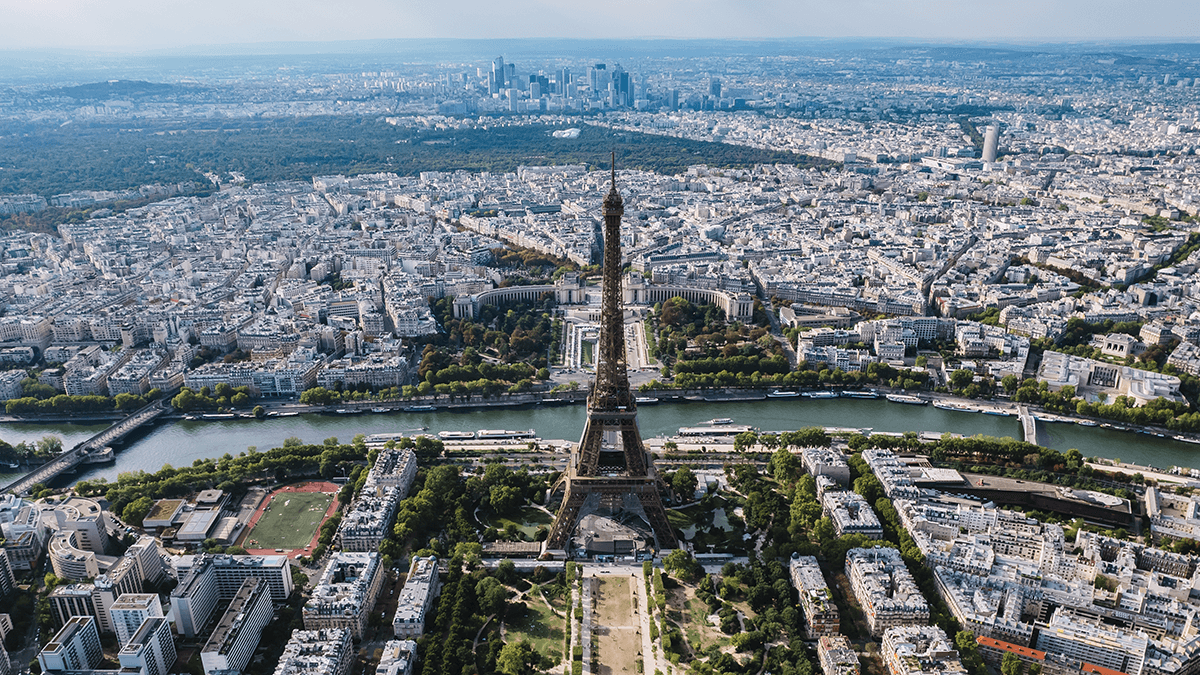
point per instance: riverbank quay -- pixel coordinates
(291, 406)
(1000, 408)
(178, 441)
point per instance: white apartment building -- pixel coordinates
(920, 650)
(851, 514)
(395, 467)
(317, 652)
(205, 579)
(826, 462)
(237, 634)
(345, 594)
(398, 658)
(836, 655)
(416, 598)
(150, 650)
(886, 591)
(130, 611)
(816, 600)
(1091, 641)
(369, 520)
(76, 646)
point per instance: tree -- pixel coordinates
(824, 531)
(126, 401)
(518, 658)
(968, 651)
(504, 498)
(1011, 383)
(136, 511)
(260, 412)
(292, 442)
(786, 466)
(49, 445)
(744, 441)
(960, 378)
(506, 571)
(493, 597)
(1011, 665)
(681, 564)
(684, 482)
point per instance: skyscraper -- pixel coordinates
(598, 80)
(496, 78)
(991, 139)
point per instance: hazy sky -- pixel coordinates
(153, 24)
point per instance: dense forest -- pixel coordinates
(48, 159)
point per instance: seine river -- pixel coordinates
(179, 443)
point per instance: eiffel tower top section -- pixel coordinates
(611, 390)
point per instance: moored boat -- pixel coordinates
(944, 405)
(456, 435)
(495, 434)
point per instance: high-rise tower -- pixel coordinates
(991, 139)
(611, 468)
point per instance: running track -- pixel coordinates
(308, 486)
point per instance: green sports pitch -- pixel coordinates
(289, 521)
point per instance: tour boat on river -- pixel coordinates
(906, 398)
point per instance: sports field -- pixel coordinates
(289, 520)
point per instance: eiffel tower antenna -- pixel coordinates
(611, 465)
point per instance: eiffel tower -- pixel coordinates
(610, 468)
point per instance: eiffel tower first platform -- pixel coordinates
(611, 468)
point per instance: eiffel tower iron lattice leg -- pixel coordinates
(612, 413)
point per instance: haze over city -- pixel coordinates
(537, 338)
(139, 25)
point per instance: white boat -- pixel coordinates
(456, 435)
(720, 420)
(727, 430)
(820, 394)
(943, 405)
(494, 434)
(782, 394)
(645, 400)
(906, 398)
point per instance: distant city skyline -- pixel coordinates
(140, 24)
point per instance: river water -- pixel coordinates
(179, 443)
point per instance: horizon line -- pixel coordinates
(899, 40)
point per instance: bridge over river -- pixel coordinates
(77, 455)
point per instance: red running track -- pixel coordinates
(307, 486)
